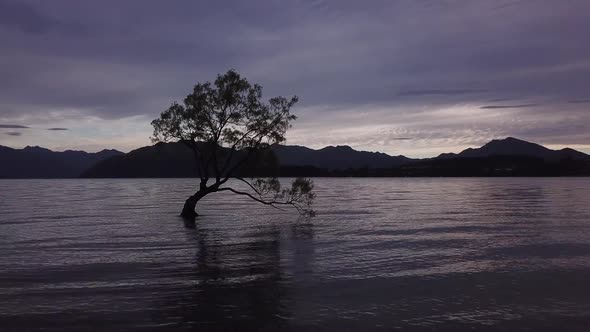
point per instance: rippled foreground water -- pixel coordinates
(382, 254)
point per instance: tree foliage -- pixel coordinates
(225, 124)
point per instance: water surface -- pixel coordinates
(381, 254)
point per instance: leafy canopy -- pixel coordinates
(230, 112)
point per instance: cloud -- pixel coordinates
(57, 129)
(491, 107)
(13, 133)
(401, 62)
(339, 53)
(441, 92)
(497, 100)
(10, 126)
(579, 101)
(24, 17)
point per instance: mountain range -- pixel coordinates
(514, 147)
(37, 162)
(505, 157)
(335, 157)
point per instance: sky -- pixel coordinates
(411, 77)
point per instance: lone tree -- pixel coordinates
(226, 125)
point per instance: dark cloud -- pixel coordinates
(441, 92)
(497, 100)
(11, 126)
(492, 107)
(580, 101)
(24, 17)
(112, 59)
(57, 129)
(13, 133)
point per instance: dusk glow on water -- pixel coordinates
(414, 254)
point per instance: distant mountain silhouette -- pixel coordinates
(506, 157)
(37, 162)
(160, 160)
(335, 157)
(515, 147)
(176, 160)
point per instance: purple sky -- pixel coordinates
(413, 77)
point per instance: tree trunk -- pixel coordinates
(188, 211)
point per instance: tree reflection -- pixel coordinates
(240, 283)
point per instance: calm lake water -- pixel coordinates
(381, 254)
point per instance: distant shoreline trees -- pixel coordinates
(226, 124)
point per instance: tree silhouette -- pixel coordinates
(227, 124)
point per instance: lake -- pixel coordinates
(423, 254)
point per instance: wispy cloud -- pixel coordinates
(13, 133)
(28, 19)
(439, 92)
(57, 129)
(493, 107)
(580, 101)
(11, 126)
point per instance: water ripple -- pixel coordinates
(381, 254)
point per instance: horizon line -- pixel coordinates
(303, 146)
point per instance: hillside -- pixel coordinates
(36, 162)
(335, 157)
(506, 157)
(514, 147)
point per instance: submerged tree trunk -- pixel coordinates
(189, 211)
